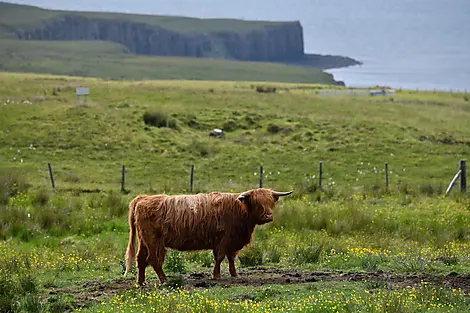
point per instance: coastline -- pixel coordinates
(324, 61)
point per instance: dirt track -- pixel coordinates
(95, 290)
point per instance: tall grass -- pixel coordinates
(31, 215)
(422, 220)
(19, 293)
(12, 183)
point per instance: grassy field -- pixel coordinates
(111, 61)
(422, 136)
(353, 247)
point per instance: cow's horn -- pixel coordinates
(243, 195)
(280, 194)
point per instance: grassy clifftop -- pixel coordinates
(109, 45)
(15, 15)
(160, 35)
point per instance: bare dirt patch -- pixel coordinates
(96, 291)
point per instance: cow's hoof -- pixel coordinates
(216, 277)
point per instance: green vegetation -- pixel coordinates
(14, 15)
(422, 136)
(66, 249)
(33, 40)
(111, 61)
(328, 297)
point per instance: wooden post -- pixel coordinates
(320, 175)
(463, 176)
(123, 179)
(261, 176)
(51, 173)
(191, 179)
(386, 175)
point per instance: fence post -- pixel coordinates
(463, 176)
(51, 173)
(123, 178)
(320, 174)
(191, 179)
(261, 176)
(386, 174)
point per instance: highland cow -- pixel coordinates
(222, 222)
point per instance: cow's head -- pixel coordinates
(260, 203)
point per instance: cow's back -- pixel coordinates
(187, 222)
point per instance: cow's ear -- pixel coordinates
(244, 196)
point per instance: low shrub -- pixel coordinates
(11, 184)
(40, 197)
(175, 282)
(265, 89)
(204, 258)
(273, 128)
(200, 148)
(115, 205)
(59, 303)
(19, 293)
(370, 262)
(308, 254)
(229, 126)
(252, 256)
(159, 119)
(273, 254)
(175, 262)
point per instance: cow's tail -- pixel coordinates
(130, 253)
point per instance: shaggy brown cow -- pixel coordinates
(223, 222)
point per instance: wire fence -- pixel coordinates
(460, 175)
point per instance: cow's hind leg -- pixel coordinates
(231, 264)
(142, 262)
(156, 260)
(218, 258)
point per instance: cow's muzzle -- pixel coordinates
(267, 218)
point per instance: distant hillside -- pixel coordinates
(110, 60)
(165, 35)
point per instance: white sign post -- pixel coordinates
(82, 91)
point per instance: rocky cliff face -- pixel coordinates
(274, 43)
(280, 42)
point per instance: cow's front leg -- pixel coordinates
(218, 258)
(231, 264)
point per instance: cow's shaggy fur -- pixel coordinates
(223, 222)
